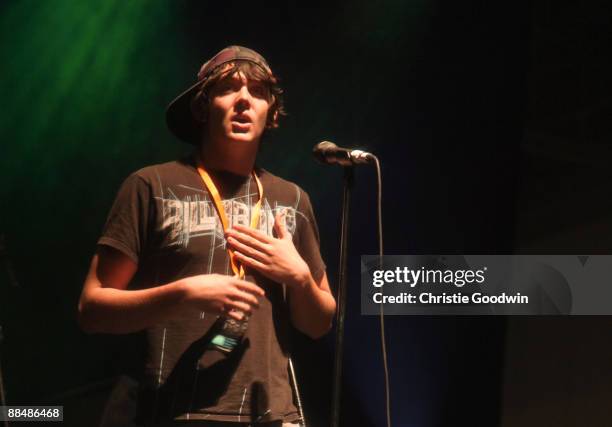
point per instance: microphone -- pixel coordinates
(329, 153)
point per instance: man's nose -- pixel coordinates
(244, 97)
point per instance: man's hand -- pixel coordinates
(221, 295)
(312, 304)
(107, 306)
(275, 258)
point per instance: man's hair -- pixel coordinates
(199, 103)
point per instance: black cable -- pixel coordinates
(297, 394)
(382, 314)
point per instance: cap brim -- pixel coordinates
(180, 120)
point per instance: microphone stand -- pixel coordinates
(342, 276)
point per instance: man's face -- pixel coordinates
(238, 109)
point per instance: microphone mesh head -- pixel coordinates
(321, 149)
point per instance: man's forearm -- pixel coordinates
(312, 309)
(118, 311)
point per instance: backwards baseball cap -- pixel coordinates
(179, 117)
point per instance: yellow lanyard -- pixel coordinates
(214, 193)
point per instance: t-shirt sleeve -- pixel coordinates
(128, 220)
(308, 242)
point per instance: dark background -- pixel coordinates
(491, 120)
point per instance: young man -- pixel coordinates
(196, 249)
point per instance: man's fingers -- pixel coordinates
(249, 250)
(251, 262)
(240, 306)
(279, 224)
(255, 234)
(245, 239)
(244, 296)
(237, 315)
(243, 285)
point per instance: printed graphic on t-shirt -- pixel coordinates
(195, 216)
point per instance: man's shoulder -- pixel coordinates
(279, 184)
(158, 171)
(272, 179)
(284, 189)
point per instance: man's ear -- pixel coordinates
(274, 122)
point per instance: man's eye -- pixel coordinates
(259, 91)
(225, 88)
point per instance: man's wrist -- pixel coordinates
(302, 282)
(182, 291)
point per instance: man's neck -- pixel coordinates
(239, 162)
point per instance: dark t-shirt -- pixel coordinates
(164, 219)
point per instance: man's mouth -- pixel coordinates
(241, 123)
(241, 118)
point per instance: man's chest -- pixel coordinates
(186, 217)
